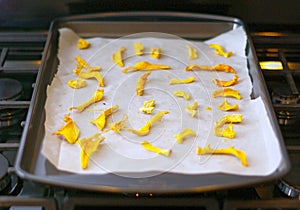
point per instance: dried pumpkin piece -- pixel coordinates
(83, 44)
(192, 108)
(225, 106)
(100, 121)
(81, 63)
(228, 131)
(141, 83)
(155, 53)
(97, 96)
(151, 148)
(240, 154)
(218, 67)
(145, 66)
(180, 93)
(117, 57)
(181, 136)
(69, 130)
(219, 50)
(119, 125)
(93, 74)
(224, 92)
(76, 84)
(88, 147)
(226, 83)
(144, 130)
(148, 106)
(192, 52)
(182, 81)
(208, 108)
(139, 48)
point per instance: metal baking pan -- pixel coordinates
(32, 165)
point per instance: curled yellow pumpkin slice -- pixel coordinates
(97, 96)
(226, 83)
(148, 106)
(224, 92)
(76, 84)
(144, 130)
(117, 57)
(192, 108)
(225, 106)
(145, 66)
(139, 48)
(100, 121)
(192, 52)
(240, 154)
(218, 67)
(150, 147)
(83, 44)
(141, 83)
(69, 130)
(88, 147)
(182, 81)
(93, 74)
(119, 125)
(180, 93)
(219, 50)
(155, 53)
(183, 134)
(81, 63)
(228, 131)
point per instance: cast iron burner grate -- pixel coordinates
(20, 59)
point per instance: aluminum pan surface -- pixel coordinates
(38, 169)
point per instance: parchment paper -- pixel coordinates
(122, 152)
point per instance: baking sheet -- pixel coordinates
(122, 153)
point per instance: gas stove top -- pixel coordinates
(21, 52)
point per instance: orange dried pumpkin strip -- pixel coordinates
(224, 92)
(155, 53)
(69, 130)
(88, 147)
(151, 148)
(181, 136)
(145, 66)
(143, 131)
(192, 108)
(218, 67)
(182, 81)
(240, 154)
(192, 52)
(141, 83)
(219, 50)
(226, 83)
(97, 96)
(225, 106)
(100, 121)
(83, 44)
(117, 57)
(139, 48)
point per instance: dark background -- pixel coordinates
(32, 14)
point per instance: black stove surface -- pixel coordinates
(21, 52)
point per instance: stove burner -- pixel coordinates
(4, 177)
(290, 184)
(283, 95)
(10, 90)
